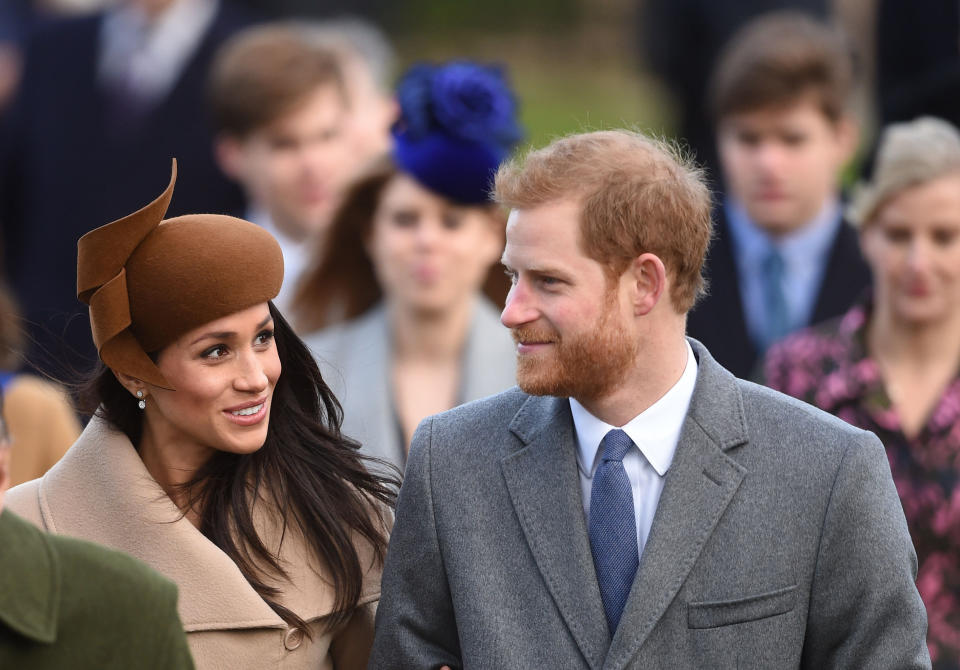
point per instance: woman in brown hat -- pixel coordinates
(215, 453)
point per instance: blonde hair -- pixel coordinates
(638, 194)
(910, 153)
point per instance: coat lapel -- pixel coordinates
(544, 487)
(700, 484)
(101, 491)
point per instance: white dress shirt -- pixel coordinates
(146, 57)
(654, 432)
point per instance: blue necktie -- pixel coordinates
(777, 317)
(613, 528)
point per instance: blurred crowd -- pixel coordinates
(377, 191)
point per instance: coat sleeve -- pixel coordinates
(865, 611)
(415, 623)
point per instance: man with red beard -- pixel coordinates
(633, 504)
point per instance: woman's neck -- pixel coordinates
(933, 344)
(429, 336)
(172, 463)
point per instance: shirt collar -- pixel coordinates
(655, 430)
(751, 243)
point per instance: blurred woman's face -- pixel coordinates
(913, 248)
(225, 372)
(430, 254)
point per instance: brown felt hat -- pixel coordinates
(149, 281)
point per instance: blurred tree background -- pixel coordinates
(574, 63)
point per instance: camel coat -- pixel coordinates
(100, 491)
(42, 426)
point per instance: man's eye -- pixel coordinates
(943, 237)
(897, 235)
(511, 275)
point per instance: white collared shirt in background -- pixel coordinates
(297, 255)
(146, 57)
(655, 433)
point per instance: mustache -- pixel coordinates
(526, 334)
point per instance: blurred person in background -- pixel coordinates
(214, 453)
(297, 114)
(410, 251)
(42, 423)
(782, 256)
(16, 19)
(367, 61)
(104, 101)
(65, 603)
(891, 364)
(682, 40)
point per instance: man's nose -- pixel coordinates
(519, 308)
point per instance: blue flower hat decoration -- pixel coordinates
(458, 121)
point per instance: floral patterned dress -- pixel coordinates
(829, 366)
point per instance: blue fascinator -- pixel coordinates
(458, 122)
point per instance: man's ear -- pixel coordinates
(848, 136)
(649, 281)
(228, 151)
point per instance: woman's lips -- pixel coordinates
(248, 414)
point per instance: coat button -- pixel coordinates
(292, 639)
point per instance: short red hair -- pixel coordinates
(638, 195)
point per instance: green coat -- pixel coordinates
(66, 603)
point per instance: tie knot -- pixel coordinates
(615, 445)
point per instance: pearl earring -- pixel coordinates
(143, 403)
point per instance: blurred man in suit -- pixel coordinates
(783, 257)
(633, 504)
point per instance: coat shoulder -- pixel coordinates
(96, 574)
(478, 428)
(772, 413)
(24, 501)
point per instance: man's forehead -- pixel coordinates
(543, 235)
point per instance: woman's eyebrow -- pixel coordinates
(227, 334)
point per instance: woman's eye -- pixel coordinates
(405, 219)
(452, 221)
(214, 353)
(263, 337)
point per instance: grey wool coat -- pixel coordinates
(355, 361)
(778, 542)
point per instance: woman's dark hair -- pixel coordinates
(341, 283)
(313, 474)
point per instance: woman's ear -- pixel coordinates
(649, 280)
(132, 384)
